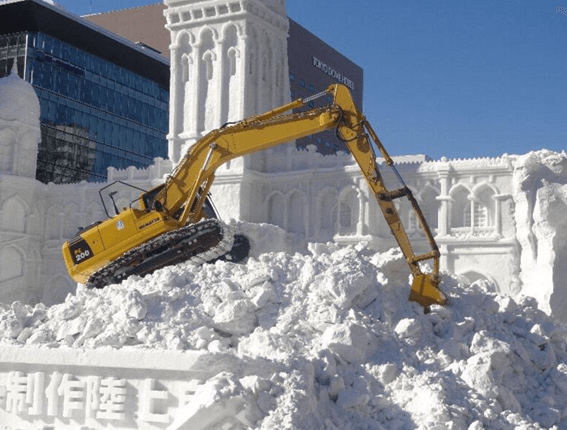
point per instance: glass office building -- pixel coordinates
(98, 108)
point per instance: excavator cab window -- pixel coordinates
(148, 199)
(120, 190)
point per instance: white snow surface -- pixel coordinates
(356, 353)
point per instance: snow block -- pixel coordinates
(350, 341)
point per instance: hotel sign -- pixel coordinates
(333, 73)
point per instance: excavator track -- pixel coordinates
(205, 241)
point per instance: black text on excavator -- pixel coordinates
(173, 222)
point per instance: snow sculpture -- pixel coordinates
(540, 192)
(19, 126)
(20, 204)
(228, 61)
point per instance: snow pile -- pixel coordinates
(354, 352)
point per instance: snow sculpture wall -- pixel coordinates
(497, 219)
(540, 194)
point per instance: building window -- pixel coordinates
(94, 114)
(476, 215)
(291, 77)
(302, 83)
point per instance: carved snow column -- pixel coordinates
(444, 211)
(363, 203)
(444, 198)
(181, 92)
(499, 200)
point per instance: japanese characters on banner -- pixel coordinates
(60, 397)
(60, 388)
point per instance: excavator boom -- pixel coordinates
(180, 201)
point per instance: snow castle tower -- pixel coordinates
(21, 217)
(19, 126)
(228, 61)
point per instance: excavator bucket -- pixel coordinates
(425, 291)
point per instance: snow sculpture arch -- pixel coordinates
(54, 222)
(473, 275)
(231, 76)
(36, 220)
(13, 213)
(483, 206)
(12, 261)
(266, 73)
(206, 74)
(296, 216)
(183, 85)
(459, 201)
(275, 208)
(7, 144)
(347, 211)
(280, 75)
(326, 214)
(252, 83)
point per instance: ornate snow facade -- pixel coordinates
(468, 204)
(229, 61)
(20, 220)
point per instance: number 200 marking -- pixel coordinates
(82, 255)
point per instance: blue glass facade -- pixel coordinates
(96, 106)
(94, 113)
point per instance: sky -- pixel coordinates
(453, 78)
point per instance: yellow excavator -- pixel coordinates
(175, 221)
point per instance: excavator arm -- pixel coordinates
(179, 202)
(194, 174)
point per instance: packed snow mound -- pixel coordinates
(354, 352)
